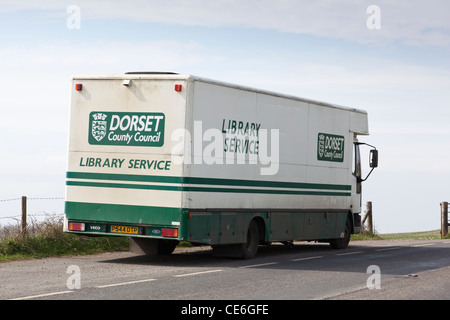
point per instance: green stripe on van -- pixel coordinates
(205, 181)
(202, 189)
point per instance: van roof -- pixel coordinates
(158, 75)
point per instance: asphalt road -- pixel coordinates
(407, 270)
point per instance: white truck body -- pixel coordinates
(155, 151)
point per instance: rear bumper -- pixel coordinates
(101, 228)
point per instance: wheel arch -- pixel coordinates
(355, 220)
(261, 227)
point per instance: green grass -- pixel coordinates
(365, 236)
(425, 235)
(46, 239)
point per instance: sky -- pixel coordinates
(390, 58)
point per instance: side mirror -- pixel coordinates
(373, 158)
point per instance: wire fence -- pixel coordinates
(36, 215)
(9, 200)
(34, 198)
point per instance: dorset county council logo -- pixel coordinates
(330, 147)
(99, 126)
(139, 129)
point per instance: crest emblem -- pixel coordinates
(321, 145)
(98, 126)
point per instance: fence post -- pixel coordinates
(368, 217)
(444, 219)
(23, 228)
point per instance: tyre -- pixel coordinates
(245, 250)
(342, 243)
(250, 248)
(166, 247)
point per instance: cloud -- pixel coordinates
(412, 22)
(87, 55)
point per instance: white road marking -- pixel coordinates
(349, 253)
(43, 295)
(308, 258)
(390, 248)
(124, 283)
(196, 273)
(423, 245)
(259, 265)
(336, 294)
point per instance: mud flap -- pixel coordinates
(144, 246)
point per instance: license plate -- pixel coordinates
(124, 229)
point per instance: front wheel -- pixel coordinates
(342, 243)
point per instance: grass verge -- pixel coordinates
(45, 239)
(425, 235)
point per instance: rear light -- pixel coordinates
(78, 86)
(169, 232)
(178, 87)
(76, 226)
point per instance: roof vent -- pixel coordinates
(150, 72)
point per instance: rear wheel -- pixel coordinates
(245, 250)
(250, 248)
(166, 247)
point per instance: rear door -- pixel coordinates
(120, 167)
